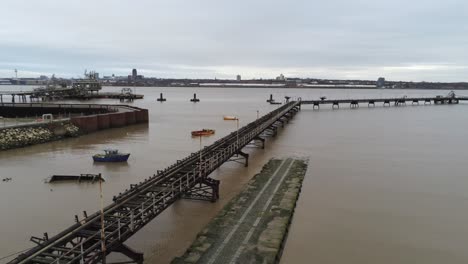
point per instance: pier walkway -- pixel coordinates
(87, 242)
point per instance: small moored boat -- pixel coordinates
(203, 132)
(111, 155)
(230, 117)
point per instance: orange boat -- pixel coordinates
(203, 132)
(230, 117)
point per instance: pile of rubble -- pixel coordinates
(24, 136)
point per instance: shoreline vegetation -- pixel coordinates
(253, 226)
(18, 137)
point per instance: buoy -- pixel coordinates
(271, 99)
(194, 99)
(161, 98)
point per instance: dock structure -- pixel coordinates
(133, 209)
(62, 94)
(82, 89)
(16, 95)
(396, 101)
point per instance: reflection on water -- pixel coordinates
(386, 184)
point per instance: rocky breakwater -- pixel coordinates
(35, 134)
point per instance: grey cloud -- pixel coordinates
(328, 39)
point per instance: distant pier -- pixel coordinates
(396, 101)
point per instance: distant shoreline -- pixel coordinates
(269, 87)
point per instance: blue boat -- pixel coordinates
(111, 155)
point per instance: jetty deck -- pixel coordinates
(64, 94)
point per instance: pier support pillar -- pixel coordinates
(400, 102)
(316, 105)
(205, 190)
(335, 104)
(371, 103)
(137, 257)
(256, 143)
(282, 122)
(271, 131)
(244, 157)
(354, 104)
(386, 102)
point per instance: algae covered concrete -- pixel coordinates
(253, 226)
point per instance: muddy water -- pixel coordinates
(381, 180)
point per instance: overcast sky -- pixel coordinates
(363, 39)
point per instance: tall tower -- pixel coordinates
(134, 74)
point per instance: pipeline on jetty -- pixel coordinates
(252, 227)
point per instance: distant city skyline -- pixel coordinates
(399, 40)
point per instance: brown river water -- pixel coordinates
(384, 185)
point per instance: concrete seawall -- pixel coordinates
(253, 227)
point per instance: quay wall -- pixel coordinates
(93, 117)
(28, 110)
(103, 121)
(87, 124)
(130, 118)
(142, 115)
(93, 123)
(118, 119)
